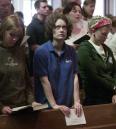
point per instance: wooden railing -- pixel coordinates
(97, 117)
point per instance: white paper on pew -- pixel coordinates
(73, 119)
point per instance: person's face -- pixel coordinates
(60, 30)
(75, 14)
(89, 9)
(43, 9)
(11, 37)
(101, 34)
(5, 8)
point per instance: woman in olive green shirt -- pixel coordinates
(15, 86)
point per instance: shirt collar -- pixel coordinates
(51, 47)
(93, 44)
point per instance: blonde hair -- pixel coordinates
(9, 23)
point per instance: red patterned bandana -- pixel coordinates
(100, 23)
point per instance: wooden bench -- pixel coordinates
(97, 117)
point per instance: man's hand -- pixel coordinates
(78, 108)
(65, 110)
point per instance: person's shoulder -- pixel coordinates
(69, 47)
(85, 46)
(29, 27)
(36, 21)
(85, 43)
(33, 22)
(43, 48)
(70, 50)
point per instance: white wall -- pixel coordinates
(56, 3)
(18, 5)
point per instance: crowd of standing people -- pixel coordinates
(48, 67)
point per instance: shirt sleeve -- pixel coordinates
(40, 63)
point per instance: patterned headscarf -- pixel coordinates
(97, 22)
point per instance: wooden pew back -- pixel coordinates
(97, 117)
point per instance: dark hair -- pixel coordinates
(19, 14)
(9, 23)
(85, 3)
(12, 8)
(69, 7)
(50, 24)
(114, 21)
(50, 7)
(37, 3)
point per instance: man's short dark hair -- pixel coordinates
(37, 3)
(50, 7)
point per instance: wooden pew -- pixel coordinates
(97, 117)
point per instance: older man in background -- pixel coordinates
(5, 9)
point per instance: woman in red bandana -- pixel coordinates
(97, 64)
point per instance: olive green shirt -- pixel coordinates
(15, 86)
